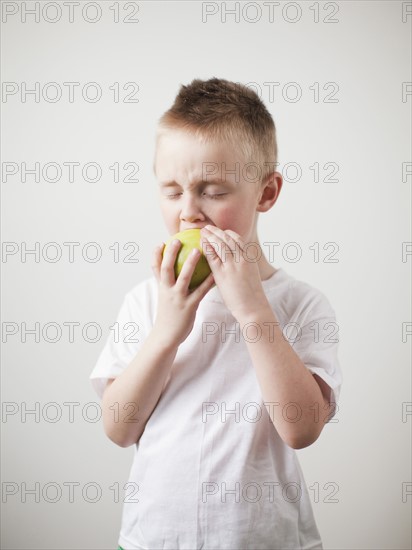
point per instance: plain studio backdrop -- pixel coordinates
(83, 88)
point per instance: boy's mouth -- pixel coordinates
(193, 227)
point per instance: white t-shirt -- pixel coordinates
(210, 470)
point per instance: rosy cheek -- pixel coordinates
(225, 218)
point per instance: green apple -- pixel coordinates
(190, 239)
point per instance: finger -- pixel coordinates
(211, 245)
(199, 292)
(210, 252)
(157, 260)
(236, 237)
(223, 244)
(188, 269)
(229, 237)
(236, 244)
(167, 268)
(213, 230)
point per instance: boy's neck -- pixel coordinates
(266, 270)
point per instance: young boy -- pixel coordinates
(214, 396)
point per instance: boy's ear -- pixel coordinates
(269, 193)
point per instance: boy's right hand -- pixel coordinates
(176, 309)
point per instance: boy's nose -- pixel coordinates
(191, 210)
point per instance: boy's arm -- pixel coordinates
(287, 385)
(284, 380)
(129, 400)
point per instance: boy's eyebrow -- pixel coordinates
(167, 183)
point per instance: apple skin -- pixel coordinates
(190, 239)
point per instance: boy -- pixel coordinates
(214, 396)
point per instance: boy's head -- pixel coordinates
(215, 158)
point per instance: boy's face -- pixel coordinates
(203, 184)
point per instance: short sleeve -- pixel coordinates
(124, 341)
(317, 342)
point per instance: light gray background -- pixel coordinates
(366, 453)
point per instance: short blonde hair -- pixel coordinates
(218, 110)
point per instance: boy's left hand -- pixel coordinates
(235, 272)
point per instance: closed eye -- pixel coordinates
(212, 196)
(215, 195)
(173, 196)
